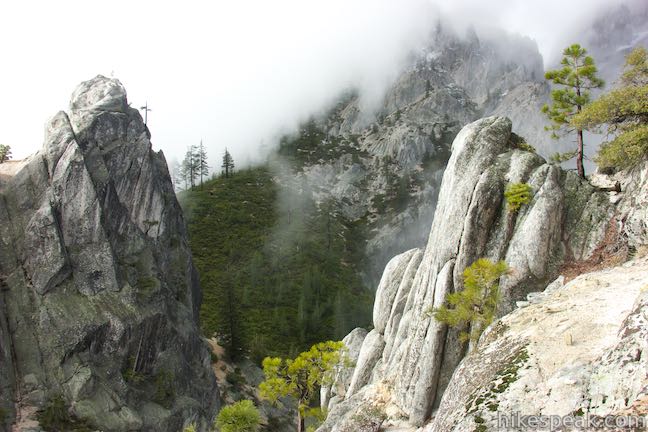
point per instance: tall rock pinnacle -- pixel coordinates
(99, 294)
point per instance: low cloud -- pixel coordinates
(235, 74)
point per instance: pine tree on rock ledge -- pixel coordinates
(475, 306)
(577, 78)
(623, 115)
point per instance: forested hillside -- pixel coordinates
(275, 278)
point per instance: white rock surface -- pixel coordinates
(634, 208)
(581, 349)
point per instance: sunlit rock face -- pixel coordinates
(100, 298)
(407, 361)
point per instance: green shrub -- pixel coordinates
(56, 417)
(517, 195)
(526, 147)
(55, 413)
(190, 428)
(129, 373)
(164, 388)
(5, 153)
(235, 378)
(627, 150)
(214, 357)
(520, 143)
(314, 418)
(145, 287)
(242, 416)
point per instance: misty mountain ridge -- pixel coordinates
(384, 166)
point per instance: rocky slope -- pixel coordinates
(614, 33)
(100, 298)
(578, 350)
(407, 360)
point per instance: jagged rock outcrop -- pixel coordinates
(407, 361)
(453, 80)
(410, 357)
(100, 298)
(616, 30)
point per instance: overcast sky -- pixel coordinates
(232, 73)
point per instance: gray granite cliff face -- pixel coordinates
(407, 361)
(99, 295)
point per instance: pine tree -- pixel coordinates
(228, 164)
(195, 159)
(517, 195)
(476, 304)
(185, 169)
(577, 77)
(622, 113)
(190, 171)
(302, 377)
(5, 153)
(232, 317)
(203, 168)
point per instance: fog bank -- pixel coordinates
(235, 74)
